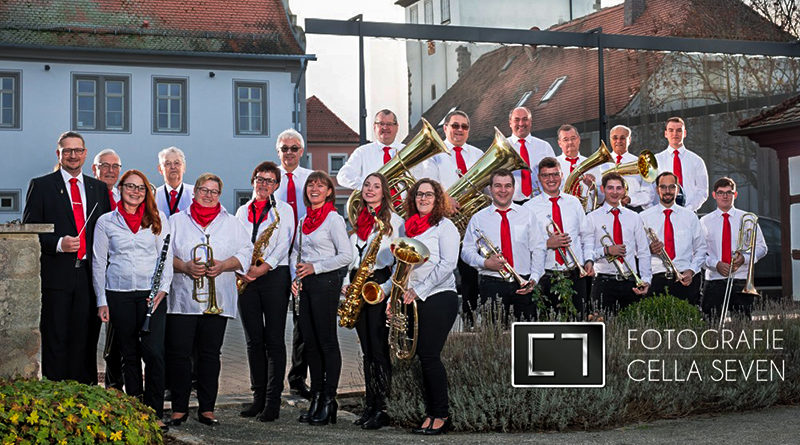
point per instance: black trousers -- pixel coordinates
(127, 311)
(579, 285)
(493, 288)
(714, 293)
(690, 293)
(207, 332)
(113, 359)
(611, 294)
(469, 288)
(373, 334)
(262, 307)
(436, 317)
(299, 369)
(319, 300)
(70, 329)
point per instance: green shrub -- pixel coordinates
(33, 411)
(662, 311)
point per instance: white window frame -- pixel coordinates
(183, 104)
(100, 102)
(16, 101)
(264, 87)
(552, 90)
(331, 156)
(524, 98)
(428, 11)
(445, 11)
(413, 15)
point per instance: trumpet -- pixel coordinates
(200, 284)
(748, 232)
(487, 249)
(671, 270)
(624, 269)
(570, 260)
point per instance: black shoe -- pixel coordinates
(422, 429)
(176, 421)
(207, 420)
(312, 408)
(300, 389)
(431, 431)
(270, 412)
(164, 429)
(378, 420)
(258, 404)
(368, 412)
(326, 412)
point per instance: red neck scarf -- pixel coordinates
(133, 220)
(204, 215)
(366, 222)
(315, 217)
(257, 207)
(417, 225)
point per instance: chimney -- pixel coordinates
(633, 10)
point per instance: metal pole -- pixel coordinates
(602, 117)
(362, 95)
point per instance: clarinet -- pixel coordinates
(296, 305)
(156, 284)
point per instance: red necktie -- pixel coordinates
(617, 228)
(505, 237)
(676, 167)
(173, 199)
(111, 200)
(386, 155)
(726, 239)
(572, 162)
(77, 212)
(557, 219)
(462, 166)
(526, 174)
(291, 195)
(619, 159)
(669, 235)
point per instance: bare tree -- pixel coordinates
(783, 13)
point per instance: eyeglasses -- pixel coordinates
(207, 191)
(456, 126)
(570, 139)
(73, 151)
(170, 164)
(549, 175)
(386, 124)
(262, 181)
(129, 186)
(293, 148)
(668, 187)
(425, 195)
(726, 193)
(107, 166)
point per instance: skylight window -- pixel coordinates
(553, 88)
(523, 99)
(441, 122)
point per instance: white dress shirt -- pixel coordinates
(690, 239)
(184, 201)
(526, 240)
(633, 237)
(712, 225)
(228, 239)
(300, 175)
(364, 160)
(277, 252)
(124, 261)
(385, 257)
(695, 175)
(436, 274)
(66, 177)
(565, 166)
(327, 248)
(575, 224)
(538, 149)
(639, 191)
(443, 167)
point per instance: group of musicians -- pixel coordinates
(168, 266)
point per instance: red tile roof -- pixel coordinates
(787, 112)
(241, 26)
(325, 126)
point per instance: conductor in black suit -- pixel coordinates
(72, 202)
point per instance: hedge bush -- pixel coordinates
(33, 411)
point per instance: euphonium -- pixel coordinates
(624, 269)
(468, 190)
(645, 166)
(261, 244)
(669, 266)
(200, 283)
(409, 253)
(487, 248)
(748, 232)
(360, 287)
(397, 171)
(572, 184)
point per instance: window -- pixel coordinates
(335, 162)
(9, 201)
(341, 208)
(523, 99)
(433, 91)
(100, 103)
(169, 105)
(441, 122)
(413, 15)
(553, 88)
(508, 63)
(445, 11)
(251, 108)
(428, 12)
(9, 100)
(242, 196)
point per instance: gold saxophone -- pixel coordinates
(200, 283)
(371, 291)
(261, 244)
(409, 253)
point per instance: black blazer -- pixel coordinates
(48, 201)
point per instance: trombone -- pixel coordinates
(748, 232)
(570, 260)
(670, 270)
(624, 270)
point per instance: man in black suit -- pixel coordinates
(72, 202)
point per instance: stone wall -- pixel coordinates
(20, 299)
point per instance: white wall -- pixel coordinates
(210, 144)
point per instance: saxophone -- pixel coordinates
(351, 306)
(261, 244)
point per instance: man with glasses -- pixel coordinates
(370, 157)
(687, 166)
(72, 202)
(638, 197)
(531, 149)
(681, 237)
(175, 195)
(569, 140)
(293, 180)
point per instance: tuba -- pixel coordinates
(397, 171)
(572, 184)
(645, 166)
(748, 232)
(409, 253)
(468, 190)
(200, 283)
(261, 244)
(371, 291)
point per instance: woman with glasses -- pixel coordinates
(371, 323)
(433, 286)
(264, 301)
(127, 245)
(208, 245)
(321, 254)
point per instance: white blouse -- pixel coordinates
(436, 274)
(327, 248)
(277, 252)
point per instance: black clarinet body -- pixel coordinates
(156, 284)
